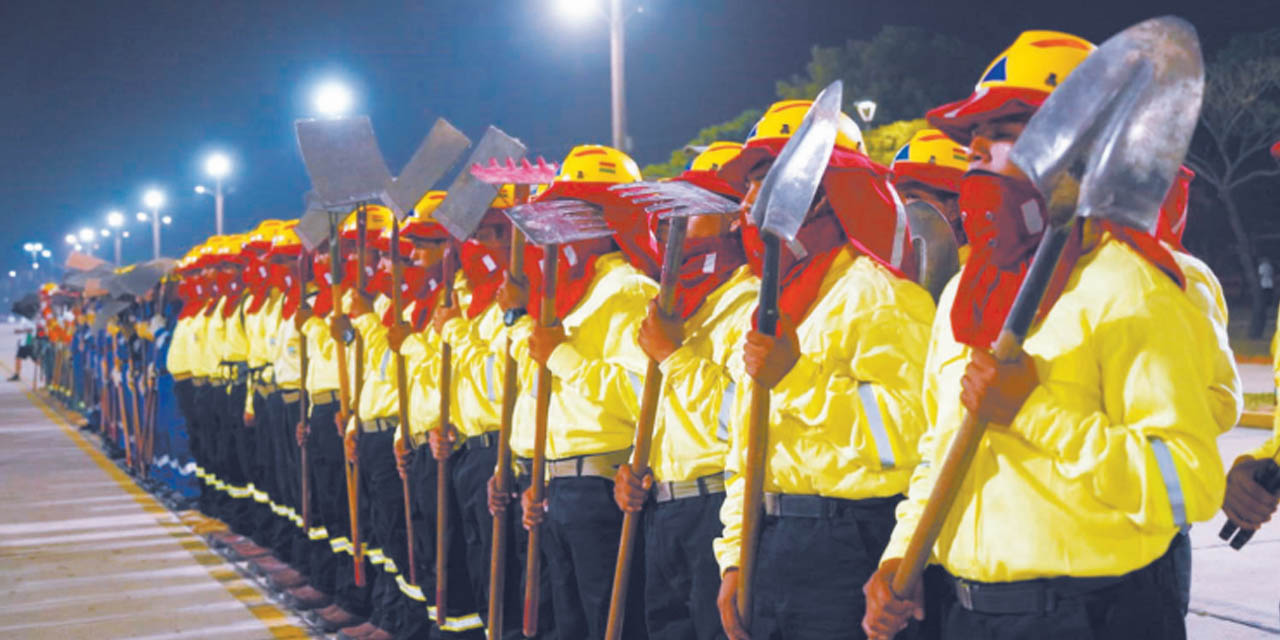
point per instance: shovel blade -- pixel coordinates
(343, 160)
(511, 172)
(937, 254)
(675, 199)
(469, 197)
(438, 152)
(789, 187)
(1118, 126)
(559, 221)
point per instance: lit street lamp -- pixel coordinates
(115, 220)
(154, 198)
(333, 99)
(217, 165)
(866, 111)
(85, 236)
(576, 10)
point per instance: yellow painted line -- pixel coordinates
(272, 616)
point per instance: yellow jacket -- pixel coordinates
(691, 429)
(1076, 485)
(421, 352)
(233, 339)
(178, 362)
(378, 397)
(844, 422)
(1271, 448)
(596, 372)
(322, 356)
(478, 347)
(1205, 292)
(204, 355)
(284, 347)
(259, 328)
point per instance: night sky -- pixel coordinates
(104, 99)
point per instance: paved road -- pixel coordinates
(84, 553)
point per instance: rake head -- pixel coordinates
(675, 199)
(512, 172)
(559, 221)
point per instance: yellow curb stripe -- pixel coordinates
(273, 617)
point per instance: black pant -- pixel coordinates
(518, 546)
(581, 532)
(471, 470)
(1144, 604)
(463, 613)
(682, 578)
(810, 571)
(382, 507)
(328, 489)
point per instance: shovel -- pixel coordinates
(521, 177)
(779, 211)
(674, 201)
(937, 255)
(548, 224)
(1094, 152)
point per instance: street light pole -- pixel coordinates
(217, 203)
(617, 74)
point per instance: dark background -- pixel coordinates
(102, 100)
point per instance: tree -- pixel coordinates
(883, 142)
(733, 130)
(1239, 121)
(905, 70)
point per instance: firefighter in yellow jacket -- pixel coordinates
(474, 328)
(694, 347)
(1101, 444)
(597, 367)
(844, 385)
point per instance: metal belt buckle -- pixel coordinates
(964, 593)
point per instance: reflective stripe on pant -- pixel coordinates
(581, 531)
(329, 509)
(682, 578)
(810, 572)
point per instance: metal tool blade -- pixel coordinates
(559, 221)
(1119, 126)
(789, 187)
(313, 228)
(675, 199)
(510, 172)
(343, 160)
(144, 276)
(433, 158)
(469, 197)
(937, 255)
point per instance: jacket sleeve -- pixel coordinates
(616, 376)
(1157, 462)
(877, 388)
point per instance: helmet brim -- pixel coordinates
(958, 119)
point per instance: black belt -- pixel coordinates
(482, 441)
(524, 467)
(1026, 597)
(788, 505)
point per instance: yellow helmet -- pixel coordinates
(259, 240)
(771, 133)
(1016, 82)
(376, 219)
(931, 158)
(715, 156)
(422, 226)
(506, 197)
(229, 248)
(285, 240)
(430, 202)
(598, 163)
(188, 261)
